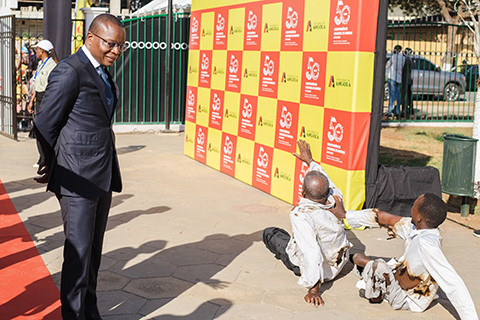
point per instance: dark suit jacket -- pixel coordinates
(75, 130)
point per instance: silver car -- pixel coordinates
(428, 80)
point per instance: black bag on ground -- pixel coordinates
(398, 187)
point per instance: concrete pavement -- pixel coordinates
(183, 242)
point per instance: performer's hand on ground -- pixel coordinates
(338, 210)
(44, 171)
(305, 154)
(313, 297)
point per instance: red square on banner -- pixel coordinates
(286, 126)
(269, 65)
(292, 25)
(345, 139)
(313, 78)
(194, 31)
(205, 69)
(216, 109)
(262, 167)
(253, 26)
(247, 117)
(234, 70)
(228, 151)
(201, 144)
(301, 169)
(221, 29)
(191, 112)
(353, 25)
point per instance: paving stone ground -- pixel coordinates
(183, 242)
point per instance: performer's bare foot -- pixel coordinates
(313, 296)
(314, 299)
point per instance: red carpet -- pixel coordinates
(27, 290)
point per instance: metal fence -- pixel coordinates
(8, 125)
(444, 70)
(28, 32)
(141, 71)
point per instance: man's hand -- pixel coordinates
(338, 210)
(30, 107)
(44, 171)
(313, 296)
(305, 153)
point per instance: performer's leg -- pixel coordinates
(276, 240)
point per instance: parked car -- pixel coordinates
(470, 71)
(428, 80)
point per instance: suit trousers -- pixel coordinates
(84, 224)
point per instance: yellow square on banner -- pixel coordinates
(189, 147)
(206, 30)
(231, 113)
(214, 143)
(310, 128)
(349, 81)
(272, 26)
(351, 183)
(244, 160)
(236, 21)
(266, 119)
(317, 16)
(219, 63)
(203, 106)
(290, 74)
(192, 79)
(250, 72)
(283, 171)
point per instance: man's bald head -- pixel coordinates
(315, 186)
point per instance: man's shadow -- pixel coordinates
(180, 267)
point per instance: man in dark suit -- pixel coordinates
(74, 127)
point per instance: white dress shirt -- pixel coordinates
(318, 238)
(394, 67)
(424, 259)
(90, 57)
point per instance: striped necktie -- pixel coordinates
(108, 88)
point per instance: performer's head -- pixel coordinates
(315, 187)
(429, 211)
(106, 39)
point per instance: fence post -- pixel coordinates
(169, 62)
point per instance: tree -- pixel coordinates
(452, 11)
(472, 8)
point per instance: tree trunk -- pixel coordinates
(451, 52)
(476, 119)
(476, 135)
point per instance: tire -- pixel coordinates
(451, 92)
(386, 94)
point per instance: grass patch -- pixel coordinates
(414, 146)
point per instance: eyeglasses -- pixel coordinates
(112, 45)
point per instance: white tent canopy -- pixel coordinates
(162, 5)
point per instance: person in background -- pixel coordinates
(394, 66)
(407, 82)
(45, 52)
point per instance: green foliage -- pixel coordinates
(418, 8)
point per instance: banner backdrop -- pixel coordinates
(263, 74)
